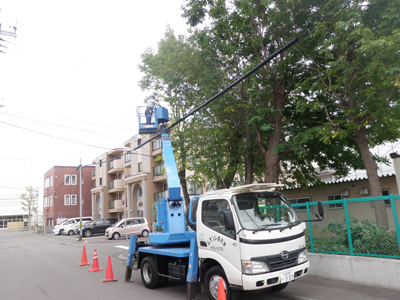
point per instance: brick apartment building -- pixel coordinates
(62, 193)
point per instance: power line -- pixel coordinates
(44, 122)
(56, 137)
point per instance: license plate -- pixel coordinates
(287, 276)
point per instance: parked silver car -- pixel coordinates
(134, 226)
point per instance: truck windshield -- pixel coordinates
(264, 210)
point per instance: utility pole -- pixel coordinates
(8, 33)
(80, 199)
(37, 207)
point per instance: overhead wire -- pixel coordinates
(60, 125)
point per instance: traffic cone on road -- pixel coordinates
(95, 265)
(84, 261)
(109, 272)
(221, 290)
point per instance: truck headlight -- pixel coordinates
(302, 257)
(254, 267)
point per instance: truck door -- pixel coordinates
(215, 241)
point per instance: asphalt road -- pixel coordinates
(39, 266)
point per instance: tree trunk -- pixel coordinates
(249, 158)
(182, 180)
(272, 159)
(373, 178)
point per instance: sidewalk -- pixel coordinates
(316, 288)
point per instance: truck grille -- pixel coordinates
(275, 262)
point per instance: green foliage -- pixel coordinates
(367, 238)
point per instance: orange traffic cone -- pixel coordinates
(84, 261)
(221, 290)
(95, 265)
(109, 272)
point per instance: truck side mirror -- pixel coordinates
(228, 220)
(320, 209)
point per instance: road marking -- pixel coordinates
(123, 247)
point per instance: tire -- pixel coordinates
(163, 281)
(211, 282)
(87, 233)
(278, 288)
(61, 231)
(116, 236)
(148, 271)
(71, 232)
(145, 233)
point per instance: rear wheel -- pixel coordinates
(149, 274)
(163, 281)
(145, 233)
(116, 236)
(211, 283)
(87, 233)
(71, 232)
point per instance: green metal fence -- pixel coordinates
(350, 226)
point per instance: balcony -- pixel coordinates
(115, 206)
(116, 166)
(115, 186)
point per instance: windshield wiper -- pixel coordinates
(291, 225)
(264, 227)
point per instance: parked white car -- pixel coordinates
(134, 226)
(72, 228)
(58, 229)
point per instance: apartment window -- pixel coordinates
(47, 182)
(119, 196)
(67, 200)
(73, 179)
(118, 176)
(158, 170)
(334, 197)
(101, 181)
(300, 201)
(51, 201)
(73, 200)
(47, 202)
(140, 168)
(51, 181)
(127, 157)
(386, 192)
(158, 196)
(139, 142)
(194, 188)
(156, 144)
(140, 193)
(67, 179)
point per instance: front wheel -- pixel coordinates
(61, 231)
(116, 236)
(211, 283)
(149, 274)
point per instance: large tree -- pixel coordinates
(28, 203)
(355, 80)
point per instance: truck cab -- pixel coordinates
(251, 237)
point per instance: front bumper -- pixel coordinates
(266, 280)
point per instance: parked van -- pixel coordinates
(134, 226)
(58, 229)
